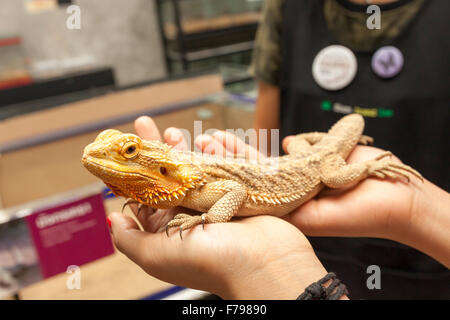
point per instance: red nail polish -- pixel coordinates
(109, 222)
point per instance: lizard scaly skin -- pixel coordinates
(154, 174)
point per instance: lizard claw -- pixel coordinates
(389, 169)
(365, 140)
(185, 222)
(140, 206)
(132, 201)
(384, 155)
(128, 202)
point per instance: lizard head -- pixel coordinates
(150, 172)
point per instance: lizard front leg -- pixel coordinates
(336, 173)
(230, 194)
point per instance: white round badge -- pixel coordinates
(334, 67)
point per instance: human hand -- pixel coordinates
(414, 213)
(260, 257)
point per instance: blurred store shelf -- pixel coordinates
(194, 30)
(40, 164)
(36, 95)
(204, 25)
(13, 64)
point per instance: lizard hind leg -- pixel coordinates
(383, 168)
(336, 173)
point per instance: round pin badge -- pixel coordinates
(387, 62)
(334, 67)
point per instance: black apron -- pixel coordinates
(412, 120)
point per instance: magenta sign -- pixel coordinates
(71, 234)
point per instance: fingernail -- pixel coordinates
(174, 136)
(219, 135)
(108, 220)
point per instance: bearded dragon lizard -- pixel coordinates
(154, 174)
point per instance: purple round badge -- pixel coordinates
(387, 62)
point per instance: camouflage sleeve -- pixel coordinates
(266, 57)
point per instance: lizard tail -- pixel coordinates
(348, 131)
(350, 124)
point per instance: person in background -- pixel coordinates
(316, 60)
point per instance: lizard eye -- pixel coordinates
(163, 170)
(130, 150)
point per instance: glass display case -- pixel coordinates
(207, 31)
(201, 15)
(13, 65)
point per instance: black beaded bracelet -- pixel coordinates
(316, 290)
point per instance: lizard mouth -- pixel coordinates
(109, 174)
(154, 194)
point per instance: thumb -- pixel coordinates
(129, 239)
(146, 128)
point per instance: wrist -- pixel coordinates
(426, 228)
(278, 279)
(327, 288)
